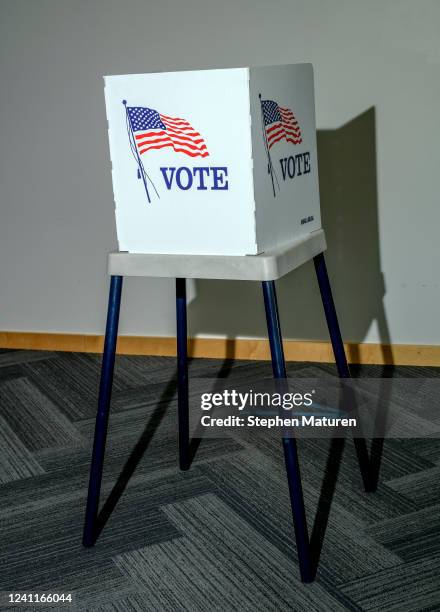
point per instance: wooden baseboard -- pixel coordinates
(398, 354)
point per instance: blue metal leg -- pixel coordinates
(289, 444)
(331, 316)
(105, 390)
(341, 360)
(182, 374)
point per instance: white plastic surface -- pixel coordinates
(267, 266)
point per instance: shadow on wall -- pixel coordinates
(347, 177)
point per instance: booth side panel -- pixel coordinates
(285, 164)
(180, 147)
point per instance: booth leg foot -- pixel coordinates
(182, 374)
(341, 360)
(105, 390)
(289, 444)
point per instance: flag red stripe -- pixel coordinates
(146, 142)
(204, 154)
(181, 139)
(168, 132)
(199, 154)
(186, 132)
(276, 134)
(278, 125)
(294, 132)
(170, 144)
(175, 119)
(285, 132)
(178, 126)
(156, 146)
(188, 135)
(145, 134)
(288, 118)
(184, 145)
(274, 126)
(291, 124)
(280, 137)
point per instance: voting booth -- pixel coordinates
(213, 162)
(215, 176)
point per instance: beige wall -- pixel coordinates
(377, 71)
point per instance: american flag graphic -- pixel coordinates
(279, 123)
(152, 130)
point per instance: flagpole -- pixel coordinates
(135, 150)
(267, 145)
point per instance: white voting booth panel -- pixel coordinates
(213, 162)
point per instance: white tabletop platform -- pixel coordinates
(264, 267)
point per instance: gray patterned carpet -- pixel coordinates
(218, 537)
